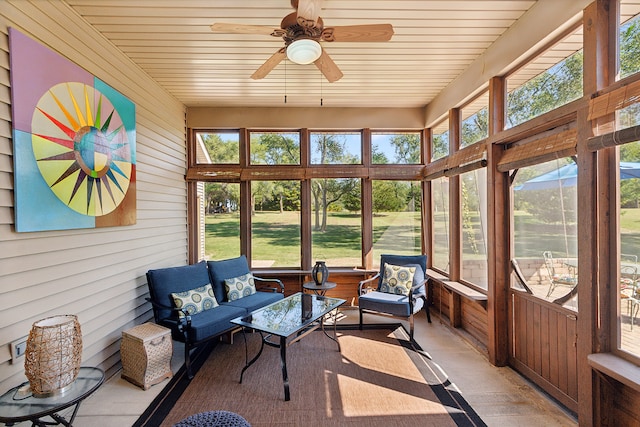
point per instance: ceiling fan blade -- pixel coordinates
(308, 12)
(358, 33)
(243, 29)
(327, 67)
(269, 65)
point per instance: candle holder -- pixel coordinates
(320, 273)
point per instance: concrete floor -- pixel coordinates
(499, 395)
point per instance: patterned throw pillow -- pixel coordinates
(196, 300)
(241, 286)
(397, 279)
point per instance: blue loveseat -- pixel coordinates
(196, 329)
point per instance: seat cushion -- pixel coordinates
(396, 305)
(255, 301)
(164, 281)
(226, 269)
(213, 322)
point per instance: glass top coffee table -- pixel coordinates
(290, 319)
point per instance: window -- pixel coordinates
(219, 220)
(474, 227)
(440, 141)
(397, 225)
(336, 148)
(277, 148)
(440, 212)
(545, 227)
(336, 222)
(275, 224)
(629, 41)
(538, 88)
(395, 148)
(475, 121)
(217, 147)
(629, 232)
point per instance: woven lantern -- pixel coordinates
(320, 273)
(53, 355)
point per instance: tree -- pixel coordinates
(221, 151)
(556, 86)
(440, 145)
(390, 196)
(325, 192)
(630, 48)
(275, 149)
(475, 127)
(378, 157)
(221, 197)
(261, 191)
(406, 147)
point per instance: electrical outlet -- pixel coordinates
(18, 348)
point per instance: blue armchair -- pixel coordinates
(380, 295)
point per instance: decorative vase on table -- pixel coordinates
(53, 355)
(320, 273)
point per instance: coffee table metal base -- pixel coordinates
(282, 345)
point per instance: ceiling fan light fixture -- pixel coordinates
(304, 51)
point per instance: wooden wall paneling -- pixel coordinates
(474, 320)
(563, 378)
(572, 358)
(455, 309)
(545, 338)
(544, 351)
(529, 334)
(537, 339)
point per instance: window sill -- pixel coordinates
(459, 288)
(617, 368)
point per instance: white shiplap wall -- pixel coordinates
(98, 274)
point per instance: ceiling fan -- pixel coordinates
(302, 32)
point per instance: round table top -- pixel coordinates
(313, 287)
(18, 404)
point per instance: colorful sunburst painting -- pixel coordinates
(74, 144)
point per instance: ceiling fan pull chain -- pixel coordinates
(285, 82)
(321, 89)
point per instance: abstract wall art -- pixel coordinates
(74, 142)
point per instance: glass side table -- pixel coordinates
(16, 407)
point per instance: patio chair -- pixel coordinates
(629, 290)
(557, 279)
(398, 290)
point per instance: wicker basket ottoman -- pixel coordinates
(146, 352)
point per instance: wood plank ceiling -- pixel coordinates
(171, 40)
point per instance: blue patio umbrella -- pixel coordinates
(566, 175)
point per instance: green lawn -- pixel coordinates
(276, 236)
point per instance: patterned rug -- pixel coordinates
(379, 378)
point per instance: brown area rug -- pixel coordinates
(379, 378)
